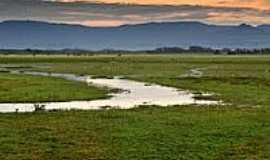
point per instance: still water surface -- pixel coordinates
(134, 94)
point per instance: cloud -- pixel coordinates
(259, 4)
(113, 14)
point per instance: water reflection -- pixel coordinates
(135, 94)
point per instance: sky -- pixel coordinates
(104, 13)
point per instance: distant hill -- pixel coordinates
(43, 35)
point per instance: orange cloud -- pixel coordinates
(232, 18)
(259, 4)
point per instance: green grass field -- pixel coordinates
(240, 130)
(23, 88)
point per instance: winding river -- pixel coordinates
(134, 94)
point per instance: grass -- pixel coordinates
(238, 131)
(246, 91)
(148, 133)
(24, 88)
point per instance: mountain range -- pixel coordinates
(44, 35)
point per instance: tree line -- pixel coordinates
(201, 50)
(163, 50)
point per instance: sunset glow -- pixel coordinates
(259, 4)
(119, 12)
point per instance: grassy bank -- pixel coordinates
(24, 88)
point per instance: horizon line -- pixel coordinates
(128, 24)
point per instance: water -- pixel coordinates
(134, 94)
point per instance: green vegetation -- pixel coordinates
(146, 133)
(237, 131)
(23, 88)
